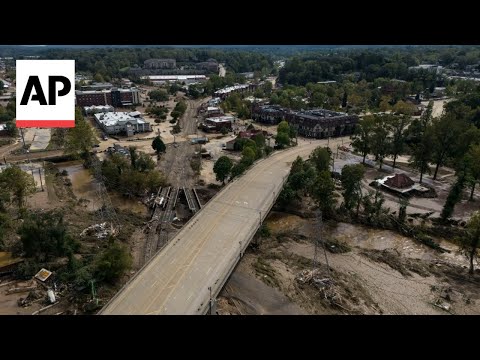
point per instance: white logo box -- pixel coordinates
(33, 113)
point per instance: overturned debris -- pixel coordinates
(100, 231)
(312, 276)
(43, 274)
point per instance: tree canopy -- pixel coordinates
(222, 168)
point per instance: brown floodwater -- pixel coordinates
(84, 186)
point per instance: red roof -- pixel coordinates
(399, 181)
(251, 133)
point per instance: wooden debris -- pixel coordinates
(45, 308)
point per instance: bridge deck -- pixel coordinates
(205, 251)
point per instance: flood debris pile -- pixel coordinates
(41, 290)
(325, 285)
(100, 231)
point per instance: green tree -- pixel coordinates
(473, 159)
(158, 95)
(133, 156)
(361, 139)
(282, 140)
(222, 168)
(420, 140)
(283, 127)
(320, 157)
(44, 235)
(98, 78)
(404, 108)
(18, 184)
(322, 192)
(112, 263)
(471, 239)
(144, 162)
(4, 196)
(402, 210)
(158, 145)
(454, 196)
(248, 155)
(422, 153)
(380, 143)
(373, 206)
(398, 124)
(238, 169)
(224, 131)
(259, 141)
(385, 104)
(351, 178)
(446, 131)
(81, 138)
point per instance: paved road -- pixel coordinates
(206, 250)
(175, 163)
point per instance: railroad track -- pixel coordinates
(167, 219)
(192, 202)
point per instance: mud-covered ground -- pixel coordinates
(371, 272)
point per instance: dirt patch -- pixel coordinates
(393, 259)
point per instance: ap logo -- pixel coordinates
(45, 93)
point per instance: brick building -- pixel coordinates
(160, 64)
(114, 97)
(315, 123)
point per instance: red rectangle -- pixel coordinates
(45, 123)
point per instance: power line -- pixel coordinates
(107, 211)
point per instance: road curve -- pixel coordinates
(205, 251)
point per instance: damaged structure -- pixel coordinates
(213, 124)
(314, 123)
(400, 183)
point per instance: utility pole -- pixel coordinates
(333, 162)
(318, 241)
(40, 174)
(210, 302)
(23, 138)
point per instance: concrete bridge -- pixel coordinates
(192, 269)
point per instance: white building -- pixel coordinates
(187, 79)
(97, 109)
(122, 122)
